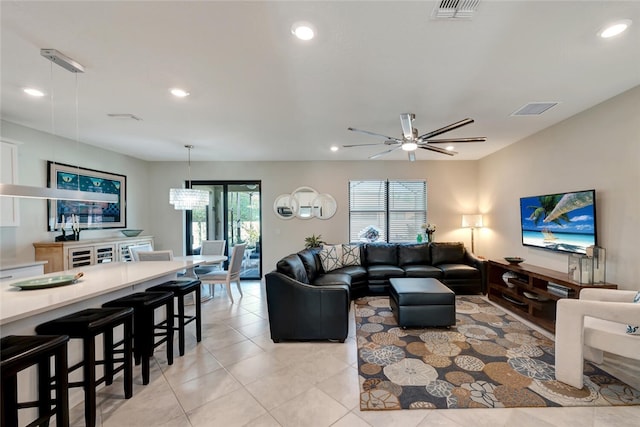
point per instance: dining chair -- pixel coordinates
(211, 247)
(232, 274)
(133, 250)
(155, 255)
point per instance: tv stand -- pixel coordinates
(539, 306)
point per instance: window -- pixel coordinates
(397, 209)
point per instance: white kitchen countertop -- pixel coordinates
(100, 279)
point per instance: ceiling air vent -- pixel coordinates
(534, 108)
(455, 9)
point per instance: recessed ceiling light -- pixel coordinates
(180, 93)
(615, 28)
(303, 31)
(334, 148)
(450, 148)
(33, 92)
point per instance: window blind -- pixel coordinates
(367, 207)
(396, 208)
(407, 209)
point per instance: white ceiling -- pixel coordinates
(257, 93)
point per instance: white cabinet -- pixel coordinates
(9, 215)
(78, 256)
(74, 254)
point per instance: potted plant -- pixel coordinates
(313, 241)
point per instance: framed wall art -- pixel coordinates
(91, 215)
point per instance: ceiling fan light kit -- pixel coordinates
(409, 146)
(410, 140)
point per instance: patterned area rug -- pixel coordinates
(488, 360)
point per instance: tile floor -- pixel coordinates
(238, 377)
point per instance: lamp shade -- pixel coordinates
(188, 198)
(472, 221)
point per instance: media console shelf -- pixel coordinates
(539, 306)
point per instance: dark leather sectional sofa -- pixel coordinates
(305, 302)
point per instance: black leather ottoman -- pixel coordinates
(422, 302)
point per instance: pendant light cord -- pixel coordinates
(189, 147)
(77, 129)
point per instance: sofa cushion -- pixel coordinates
(414, 254)
(311, 262)
(381, 253)
(293, 267)
(377, 272)
(422, 271)
(333, 279)
(459, 271)
(357, 272)
(447, 253)
(331, 257)
(351, 255)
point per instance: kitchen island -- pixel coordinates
(22, 310)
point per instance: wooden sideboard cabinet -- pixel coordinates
(530, 292)
(73, 254)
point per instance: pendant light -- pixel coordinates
(33, 192)
(188, 198)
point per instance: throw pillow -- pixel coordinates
(631, 329)
(331, 257)
(350, 255)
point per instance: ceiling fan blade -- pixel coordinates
(363, 145)
(375, 156)
(406, 121)
(412, 156)
(455, 140)
(448, 128)
(438, 150)
(377, 135)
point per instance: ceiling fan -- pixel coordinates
(410, 140)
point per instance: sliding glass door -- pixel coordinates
(234, 214)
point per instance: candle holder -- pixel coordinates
(590, 268)
(62, 237)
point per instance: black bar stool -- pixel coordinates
(87, 325)
(19, 352)
(180, 289)
(144, 305)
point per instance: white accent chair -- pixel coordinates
(133, 250)
(232, 274)
(587, 326)
(155, 256)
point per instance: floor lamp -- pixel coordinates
(472, 221)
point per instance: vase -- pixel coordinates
(428, 237)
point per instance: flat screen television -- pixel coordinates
(563, 222)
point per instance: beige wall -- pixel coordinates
(451, 190)
(34, 149)
(598, 148)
